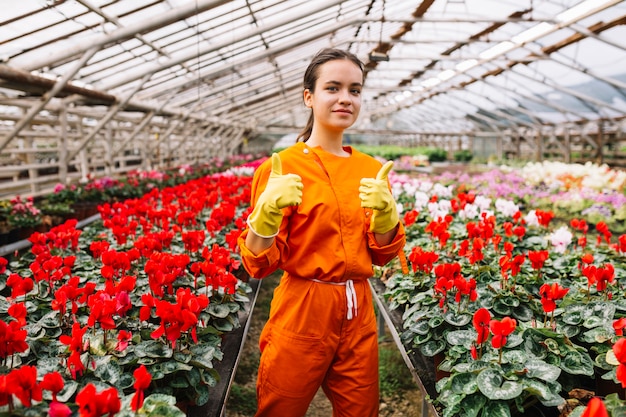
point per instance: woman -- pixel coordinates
(322, 213)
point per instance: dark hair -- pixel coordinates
(312, 74)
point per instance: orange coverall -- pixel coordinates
(322, 327)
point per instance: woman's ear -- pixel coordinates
(307, 97)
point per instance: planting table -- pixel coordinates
(422, 368)
(231, 346)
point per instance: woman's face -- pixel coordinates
(336, 102)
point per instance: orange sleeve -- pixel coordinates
(381, 255)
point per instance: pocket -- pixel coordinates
(292, 365)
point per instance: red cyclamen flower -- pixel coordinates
(481, 324)
(500, 330)
(619, 349)
(549, 294)
(142, 382)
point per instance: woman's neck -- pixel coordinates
(329, 143)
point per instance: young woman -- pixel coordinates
(323, 214)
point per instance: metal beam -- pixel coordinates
(58, 86)
(37, 59)
(180, 58)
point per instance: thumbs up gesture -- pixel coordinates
(375, 194)
(281, 191)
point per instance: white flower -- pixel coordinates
(442, 191)
(425, 186)
(421, 200)
(531, 218)
(560, 239)
(439, 209)
(470, 211)
(482, 202)
(506, 207)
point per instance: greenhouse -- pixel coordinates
(159, 189)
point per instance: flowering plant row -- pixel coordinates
(522, 306)
(27, 212)
(127, 315)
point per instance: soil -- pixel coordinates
(405, 402)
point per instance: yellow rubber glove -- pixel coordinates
(375, 194)
(281, 191)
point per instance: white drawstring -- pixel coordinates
(350, 295)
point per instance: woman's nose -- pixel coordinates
(344, 96)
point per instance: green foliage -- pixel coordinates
(437, 155)
(243, 400)
(464, 155)
(393, 372)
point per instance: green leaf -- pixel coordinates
(597, 335)
(68, 391)
(420, 339)
(501, 308)
(173, 366)
(463, 383)
(455, 319)
(46, 365)
(202, 356)
(109, 372)
(495, 387)
(161, 405)
(514, 356)
(574, 362)
(153, 349)
(126, 381)
(50, 320)
(35, 331)
(223, 325)
(537, 388)
(496, 409)
(539, 369)
(432, 347)
(514, 340)
(421, 327)
(202, 395)
(179, 382)
(435, 322)
(219, 310)
(570, 331)
(209, 376)
(593, 321)
(611, 359)
(523, 313)
(472, 405)
(574, 315)
(463, 338)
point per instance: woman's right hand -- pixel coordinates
(281, 191)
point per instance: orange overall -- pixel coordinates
(322, 327)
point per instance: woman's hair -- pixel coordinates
(312, 74)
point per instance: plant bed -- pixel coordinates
(523, 310)
(134, 311)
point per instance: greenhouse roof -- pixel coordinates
(445, 66)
